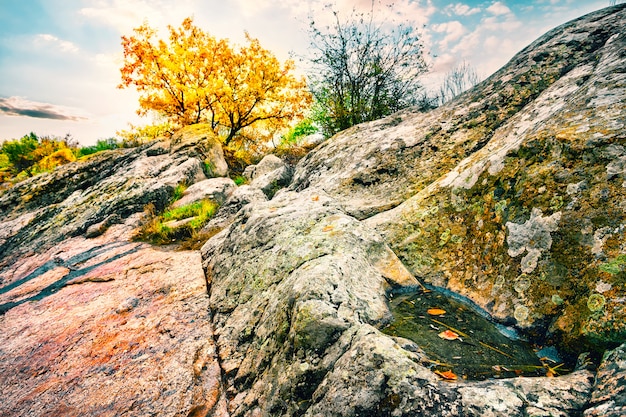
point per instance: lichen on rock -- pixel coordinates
(532, 237)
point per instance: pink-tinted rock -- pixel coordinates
(107, 327)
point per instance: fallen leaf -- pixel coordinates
(327, 228)
(447, 375)
(436, 311)
(315, 198)
(448, 335)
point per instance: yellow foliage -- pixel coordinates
(137, 135)
(193, 77)
(60, 157)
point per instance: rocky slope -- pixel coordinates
(513, 193)
(512, 196)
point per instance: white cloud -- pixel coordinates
(453, 31)
(460, 9)
(124, 15)
(493, 24)
(47, 40)
(498, 9)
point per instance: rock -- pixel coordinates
(609, 392)
(99, 228)
(269, 175)
(298, 290)
(225, 215)
(286, 280)
(530, 223)
(214, 189)
(375, 166)
(268, 164)
(88, 196)
(273, 181)
(512, 197)
(200, 141)
(107, 327)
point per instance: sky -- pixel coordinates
(60, 59)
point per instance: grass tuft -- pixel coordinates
(157, 231)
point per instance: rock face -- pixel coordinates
(298, 289)
(105, 189)
(107, 327)
(513, 196)
(92, 323)
(609, 393)
(269, 175)
(215, 189)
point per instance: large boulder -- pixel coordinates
(298, 290)
(214, 189)
(201, 142)
(375, 166)
(512, 194)
(286, 280)
(269, 175)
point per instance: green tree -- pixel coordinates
(20, 153)
(363, 69)
(32, 154)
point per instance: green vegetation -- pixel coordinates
(179, 191)
(614, 266)
(240, 180)
(31, 154)
(178, 225)
(304, 128)
(101, 145)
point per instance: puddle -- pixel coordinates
(461, 340)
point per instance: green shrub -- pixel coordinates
(240, 180)
(101, 145)
(306, 127)
(157, 231)
(179, 191)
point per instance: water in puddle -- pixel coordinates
(458, 341)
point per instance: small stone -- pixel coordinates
(127, 305)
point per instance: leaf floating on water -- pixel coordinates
(436, 311)
(447, 375)
(448, 335)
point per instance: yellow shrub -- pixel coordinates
(60, 157)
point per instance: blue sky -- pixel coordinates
(60, 59)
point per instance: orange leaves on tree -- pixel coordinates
(245, 93)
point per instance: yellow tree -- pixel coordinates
(195, 78)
